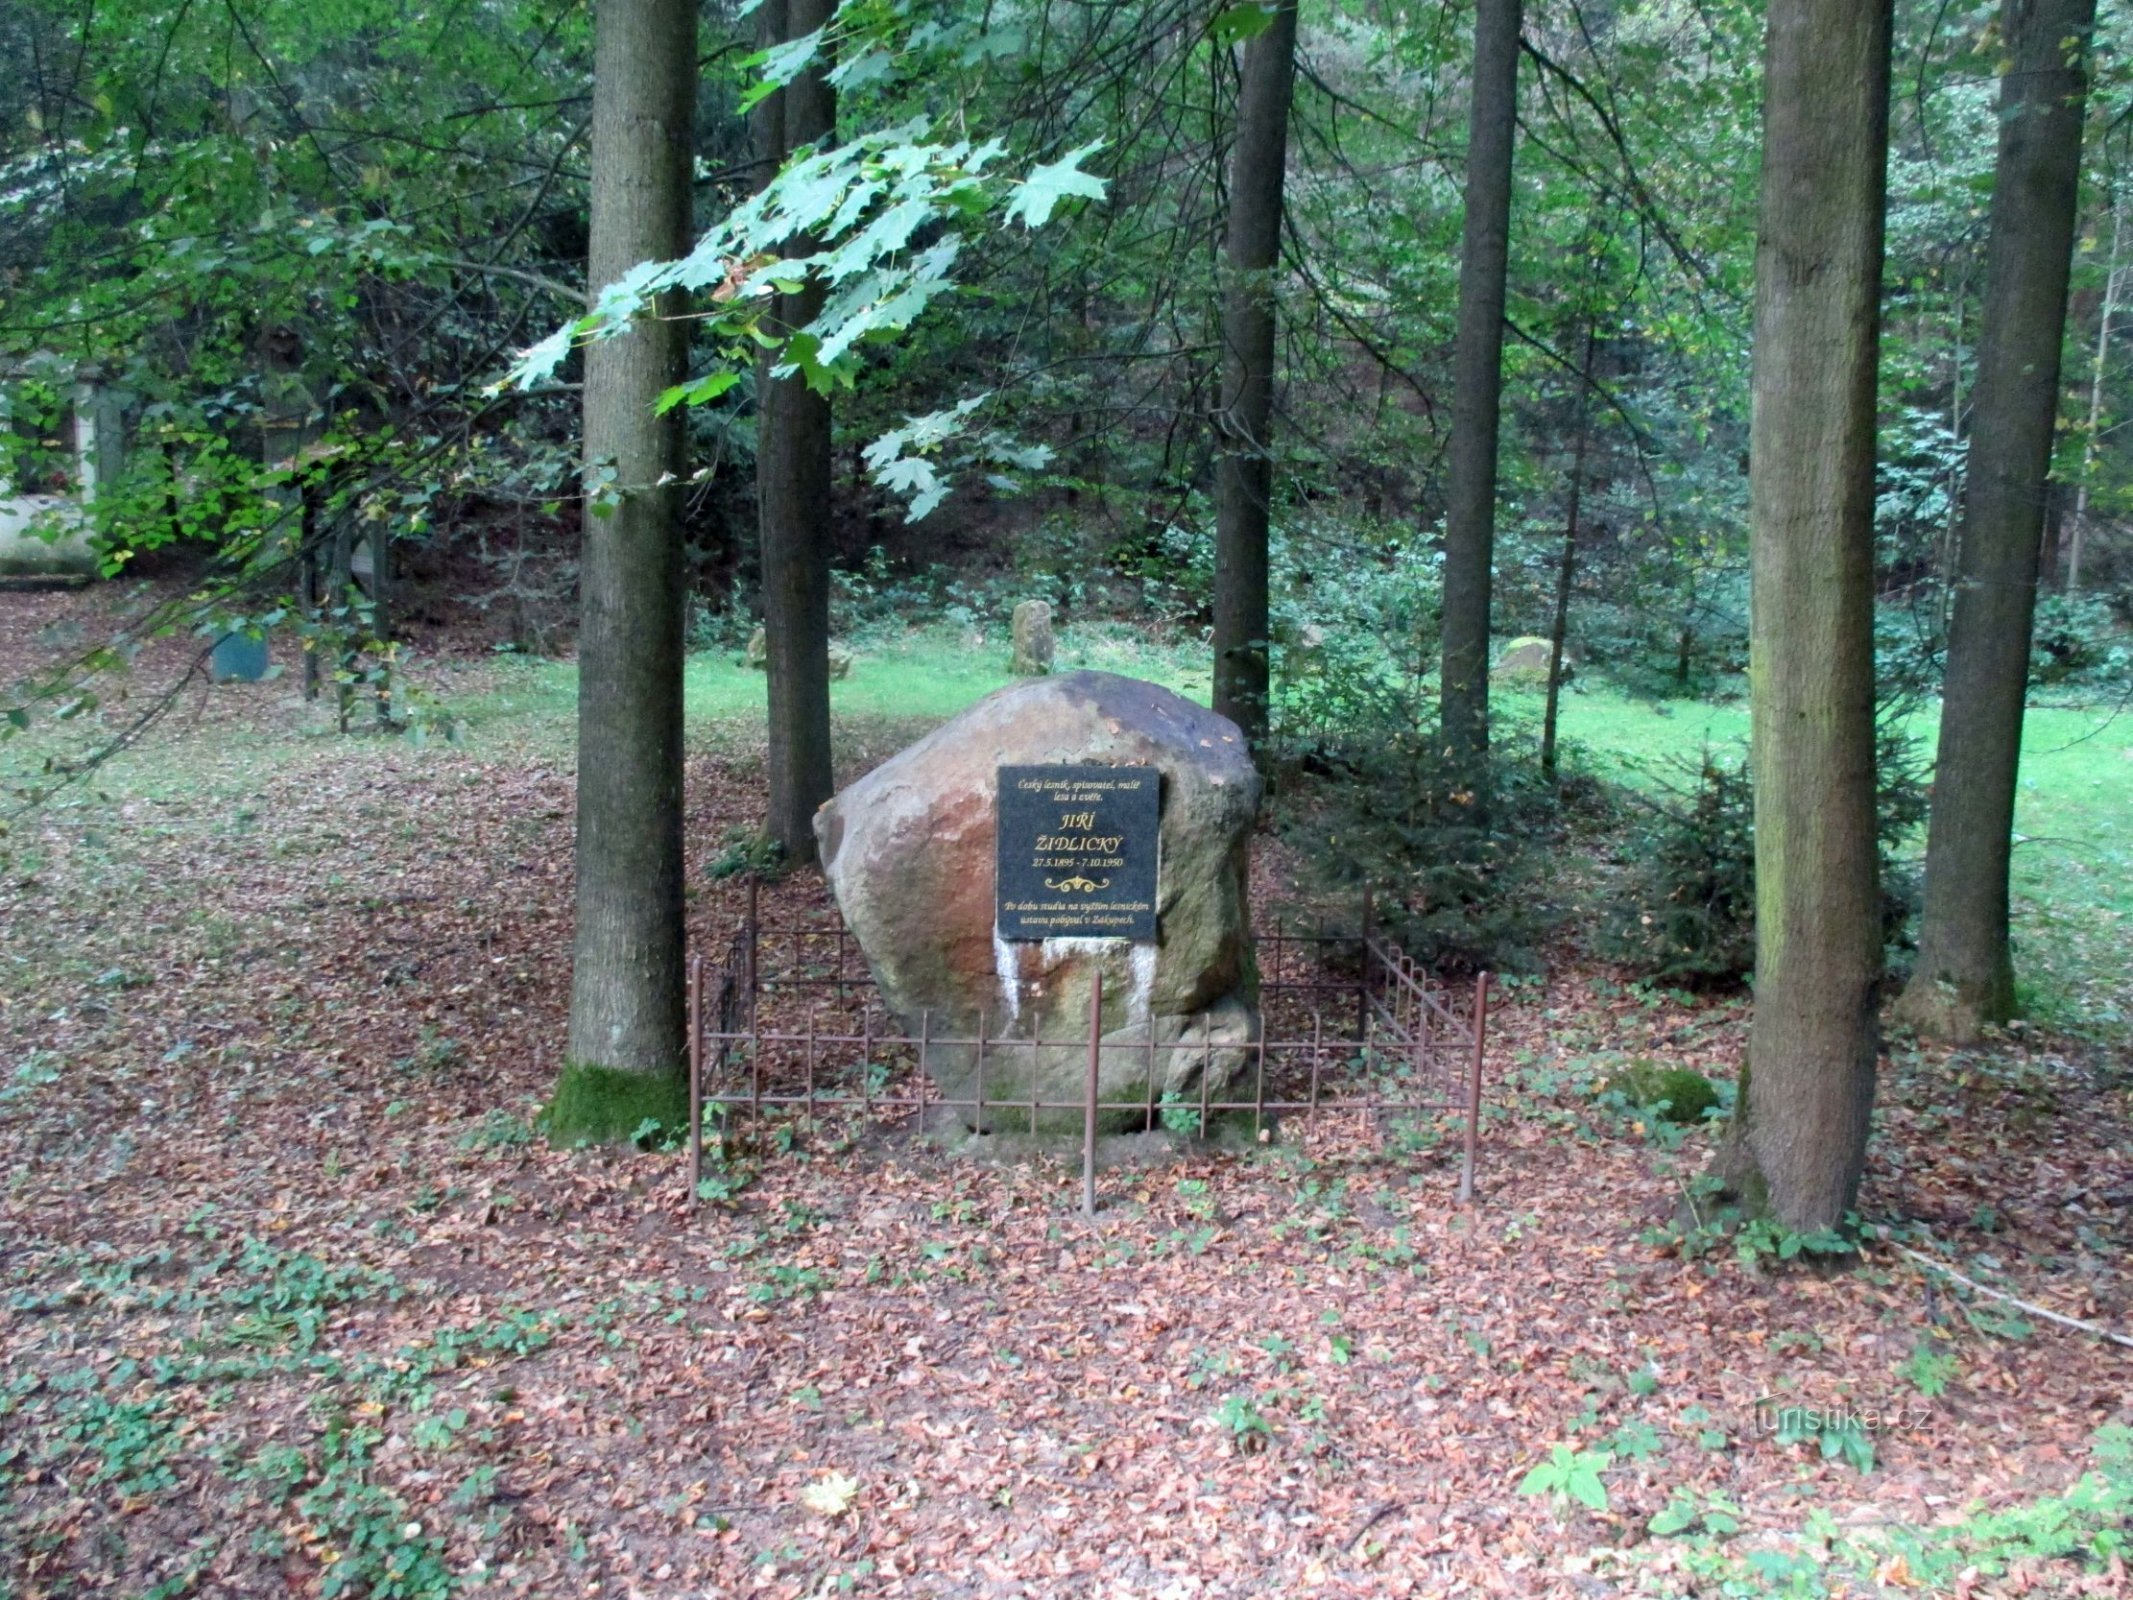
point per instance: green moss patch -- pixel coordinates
(603, 1105)
(1674, 1093)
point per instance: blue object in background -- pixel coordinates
(238, 658)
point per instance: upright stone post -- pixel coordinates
(1033, 639)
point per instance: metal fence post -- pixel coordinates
(696, 1075)
(1362, 1006)
(755, 934)
(1473, 1088)
(1088, 1104)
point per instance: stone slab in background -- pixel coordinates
(1524, 663)
(238, 658)
(1034, 644)
(758, 655)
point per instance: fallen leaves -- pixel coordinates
(353, 1003)
(831, 1495)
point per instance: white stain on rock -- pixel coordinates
(1007, 963)
(1144, 956)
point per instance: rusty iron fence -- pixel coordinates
(790, 1021)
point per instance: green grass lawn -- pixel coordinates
(2073, 879)
(2073, 876)
(931, 674)
(2073, 861)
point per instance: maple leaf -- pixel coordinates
(1050, 182)
(831, 1496)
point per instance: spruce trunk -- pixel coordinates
(793, 478)
(1244, 471)
(626, 1029)
(1477, 385)
(1566, 567)
(1965, 974)
(1798, 1144)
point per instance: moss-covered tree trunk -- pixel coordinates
(1244, 470)
(1477, 389)
(793, 481)
(1965, 973)
(1798, 1142)
(626, 1025)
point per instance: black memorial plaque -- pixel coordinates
(1077, 852)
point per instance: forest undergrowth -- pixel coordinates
(295, 1298)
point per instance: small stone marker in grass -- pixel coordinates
(1033, 640)
(238, 658)
(1523, 664)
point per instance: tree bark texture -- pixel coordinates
(626, 976)
(1798, 1142)
(1566, 567)
(289, 424)
(1477, 385)
(1965, 973)
(793, 480)
(2113, 291)
(1244, 468)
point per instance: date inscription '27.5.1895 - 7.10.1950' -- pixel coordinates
(1077, 852)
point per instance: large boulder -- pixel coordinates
(909, 850)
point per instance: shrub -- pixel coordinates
(1687, 912)
(1459, 892)
(1664, 644)
(2077, 641)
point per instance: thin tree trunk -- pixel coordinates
(2112, 285)
(311, 594)
(346, 615)
(1244, 471)
(626, 1040)
(287, 429)
(1477, 385)
(1798, 1142)
(1566, 569)
(1965, 973)
(381, 617)
(1953, 520)
(766, 122)
(794, 474)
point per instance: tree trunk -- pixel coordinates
(1798, 1142)
(766, 122)
(288, 426)
(793, 482)
(1566, 569)
(1244, 472)
(2113, 288)
(626, 1034)
(1965, 974)
(1477, 383)
(381, 618)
